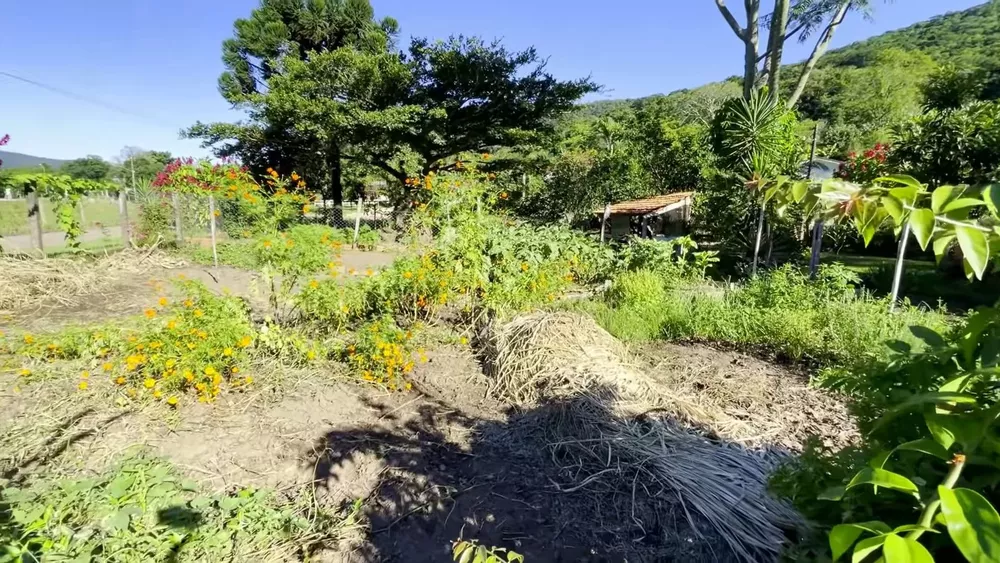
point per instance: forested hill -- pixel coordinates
(12, 160)
(966, 38)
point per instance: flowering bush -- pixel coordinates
(245, 207)
(867, 166)
(195, 345)
(382, 353)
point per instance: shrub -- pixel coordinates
(368, 238)
(641, 289)
(382, 353)
(154, 223)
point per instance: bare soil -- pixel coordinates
(438, 463)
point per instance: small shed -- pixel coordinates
(659, 216)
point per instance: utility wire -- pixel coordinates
(88, 99)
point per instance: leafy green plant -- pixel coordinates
(936, 433)
(368, 238)
(638, 289)
(382, 353)
(144, 511)
(469, 551)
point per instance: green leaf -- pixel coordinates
(973, 524)
(466, 556)
(989, 354)
(899, 346)
(902, 550)
(514, 556)
(843, 536)
(908, 181)
(458, 549)
(941, 196)
(883, 478)
(927, 446)
(833, 493)
(120, 485)
(991, 196)
(961, 203)
(929, 336)
(975, 246)
(914, 528)
(866, 547)
(894, 208)
(941, 245)
(922, 224)
(200, 502)
(119, 521)
(799, 190)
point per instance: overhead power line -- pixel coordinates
(88, 99)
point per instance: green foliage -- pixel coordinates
(88, 168)
(638, 289)
(930, 415)
(756, 138)
(382, 353)
(155, 223)
(472, 552)
(671, 259)
(368, 238)
(951, 147)
(144, 511)
(65, 193)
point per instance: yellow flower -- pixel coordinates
(313, 284)
(150, 313)
(295, 177)
(352, 271)
(157, 394)
(198, 312)
(245, 341)
(188, 375)
(188, 303)
(227, 352)
(172, 401)
(305, 209)
(408, 386)
(217, 213)
(463, 341)
(85, 374)
(486, 156)
(107, 366)
(310, 355)
(82, 386)
(209, 370)
(171, 325)
(25, 372)
(163, 302)
(368, 272)
(407, 275)
(149, 383)
(28, 339)
(235, 369)
(249, 380)
(344, 309)
(170, 363)
(120, 380)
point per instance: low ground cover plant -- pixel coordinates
(142, 510)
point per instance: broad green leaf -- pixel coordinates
(878, 462)
(833, 493)
(458, 549)
(991, 195)
(843, 536)
(973, 524)
(481, 553)
(927, 446)
(118, 521)
(955, 384)
(866, 547)
(908, 181)
(914, 528)
(905, 195)
(941, 196)
(200, 502)
(883, 478)
(989, 354)
(899, 346)
(902, 550)
(941, 245)
(929, 336)
(799, 190)
(121, 484)
(466, 556)
(922, 224)
(894, 208)
(961, 203)
(514, 556)
(975, 246)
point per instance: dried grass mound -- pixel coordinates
(619, 434)
(27, 281)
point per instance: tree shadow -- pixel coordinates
(516, 483)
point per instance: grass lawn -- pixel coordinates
(923, 281)
(97, 212)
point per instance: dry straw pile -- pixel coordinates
(620, 433)
(27, 281)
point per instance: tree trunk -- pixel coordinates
(775, 45)
(818, 50)
(336, 216)
(750, 40)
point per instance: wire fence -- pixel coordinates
(111, 220)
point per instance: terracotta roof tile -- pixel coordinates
(647, 205)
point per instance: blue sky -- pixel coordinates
(158, 60)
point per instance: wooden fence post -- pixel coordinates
(177, 217)
(35, 221)
(123, 218)
(211, 225)
(604, 219)
(357, 222)
(83, 215)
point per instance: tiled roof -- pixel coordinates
(647, 205)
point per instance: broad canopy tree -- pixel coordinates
(401, 113)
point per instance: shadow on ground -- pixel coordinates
(513, 486)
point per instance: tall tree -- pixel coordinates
(749, 35)
(275, 32)
(88, 168)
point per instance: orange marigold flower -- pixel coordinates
(150, 313)
(295, 176)
(163, 302)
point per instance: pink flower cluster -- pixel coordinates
(3, 141)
